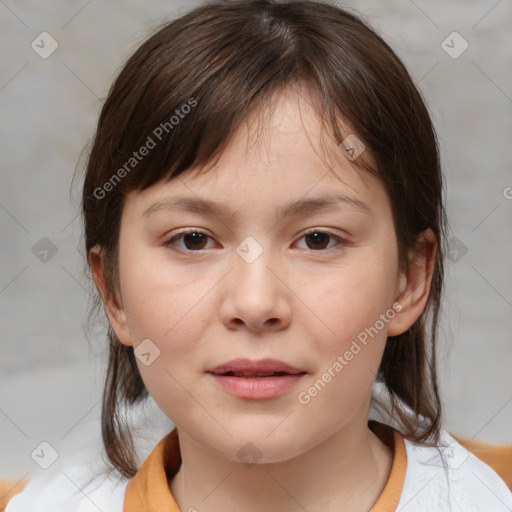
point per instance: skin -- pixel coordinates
(302, 301)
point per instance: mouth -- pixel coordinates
(256, 379)
(252, 368)
(257, 385)
(252, 375)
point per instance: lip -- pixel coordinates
(257, 388)
(248, 365)
(253, 387)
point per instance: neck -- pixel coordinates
(347, 471)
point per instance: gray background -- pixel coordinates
(51, 375)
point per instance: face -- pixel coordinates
(251, 281)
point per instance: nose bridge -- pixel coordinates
(252, 259)
(250, 250)
(254, 292)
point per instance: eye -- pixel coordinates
(193, 239)
(318, 239)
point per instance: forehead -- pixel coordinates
(279, 154)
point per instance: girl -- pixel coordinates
(264, 225)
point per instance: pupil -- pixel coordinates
(196, 239)
(317, 237)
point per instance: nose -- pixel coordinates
(255, 294)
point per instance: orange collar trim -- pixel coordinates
(149, 490)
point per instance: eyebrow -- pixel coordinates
(295, 208)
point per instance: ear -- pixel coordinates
(114, 311)
(414, 286)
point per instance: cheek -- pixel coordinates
(354, 299)
(348, 359)
(175, 317)
(172, 310)
(355, 304)
(158, 297)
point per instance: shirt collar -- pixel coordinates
(149, 490)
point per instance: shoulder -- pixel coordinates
(73, 488)
(82, 484)
(449, 477)
(81, 480)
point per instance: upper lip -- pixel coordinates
(250, 366)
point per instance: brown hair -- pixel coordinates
(225, 60)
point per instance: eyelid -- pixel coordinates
(340, 239)
(168, 242)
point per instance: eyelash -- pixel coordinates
(178, 236)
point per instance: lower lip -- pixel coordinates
(257, 387)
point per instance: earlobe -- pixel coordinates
(114, 311)
(414, 286)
